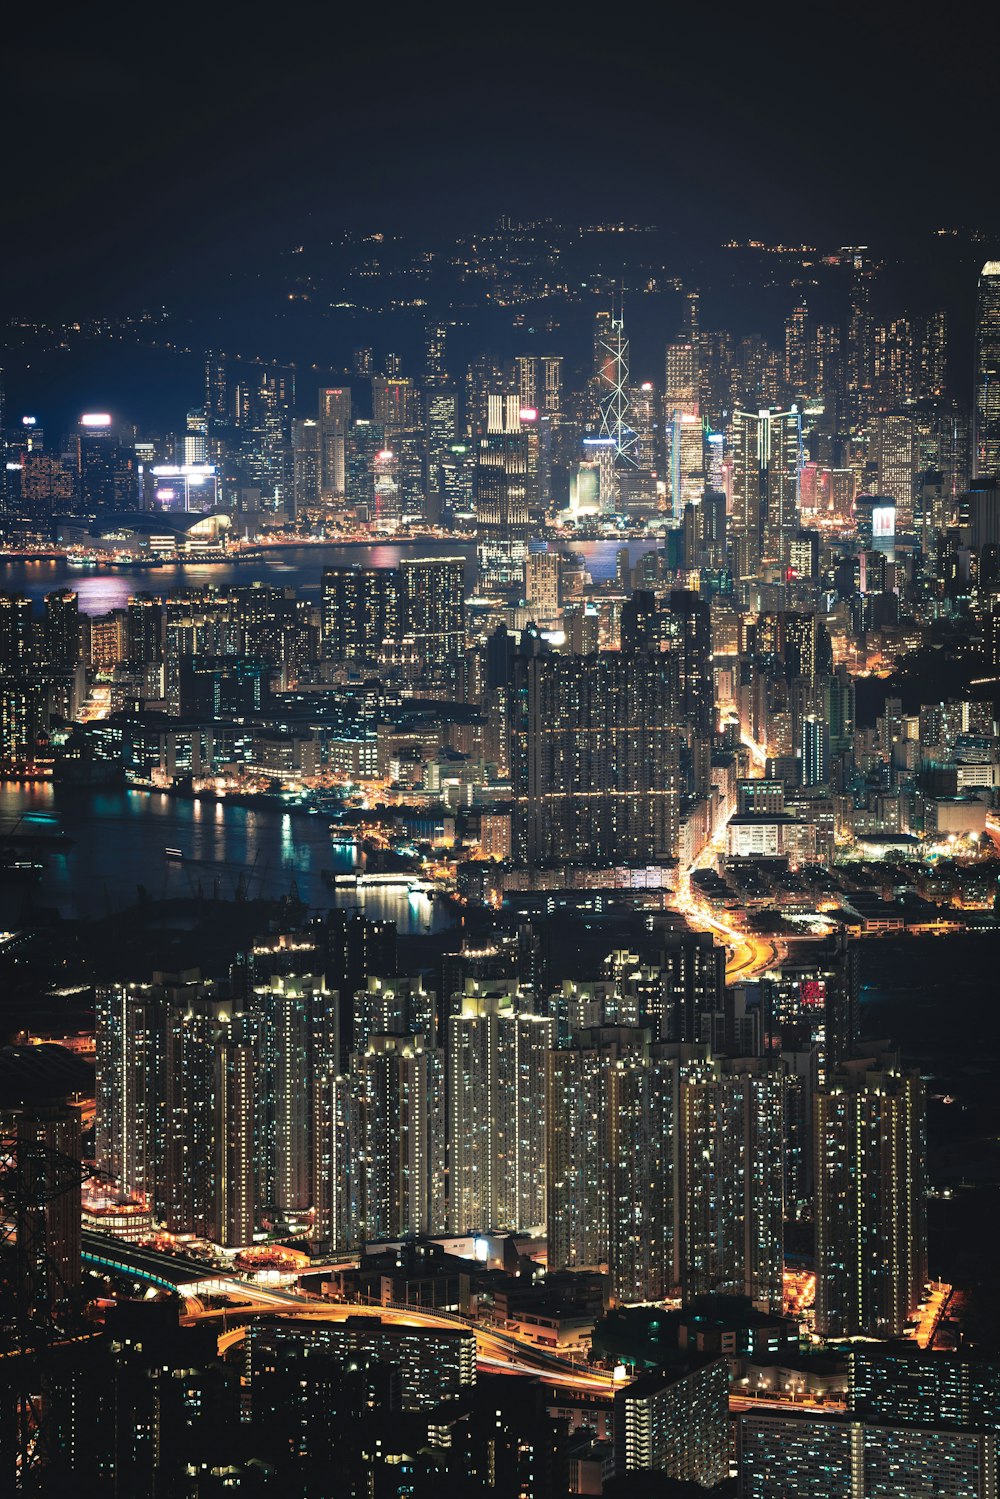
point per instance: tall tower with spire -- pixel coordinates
(613, 347)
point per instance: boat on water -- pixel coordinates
(340, 834)
(17, 870)
(394, 879)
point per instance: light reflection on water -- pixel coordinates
(101, 590)
(120, 838)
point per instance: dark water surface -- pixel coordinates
(120, 838)
(102, 589)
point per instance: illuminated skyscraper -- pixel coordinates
(552, 379)
(432, 607)
(193, 1022)
(393, 403)
(366, 440)
(797, 352)
(217, 406)
(393, 1006)
(615, 423)
(730, 1189)
(814, 751)
(543, 582)
(108, 476)
(306, 463)
(195, 448)
(334, 429)
(675, 1422)
(685, 438)
(870, 1175)
(60, 628)
(826, 378)
(176, 1098)
(496, 1110)
(128, 1054)
(297, 1021)
(16, 633)
(234, 1197)
(394, 1109)
(860, 340)
(896, 453)
(440, 432)
(986, 401)
(681, 376)
(767, 458)
(435, 347)
(46, 484)
(896, 363)
(933, 366)
(503, 479)
(387, 509)
(526, 376)
(683, 425)
(610, 1103)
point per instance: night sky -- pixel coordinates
(148, 150)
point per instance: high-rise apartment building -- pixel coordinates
(432, 607)
(16, 633)
(552, 384)
(610, 1131)
(360, 611)
(176, 1117)
(129, 1064)
(686, 1001)
(298, 1027)
(393, 1006)
(797, 352)
(234, 1198)
(543, 582)
(393, 1109)
(496, 1110)
(596, 749)
(60, 628)
(730, 1238)
(676, 1422)
(435, 354)
(800, 1455)
(48, 1267)
(814, 751)
(870, 1182)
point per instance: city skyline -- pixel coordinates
(499, 758)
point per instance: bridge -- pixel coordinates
(192, 1280)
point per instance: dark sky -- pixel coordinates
(148, 148)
